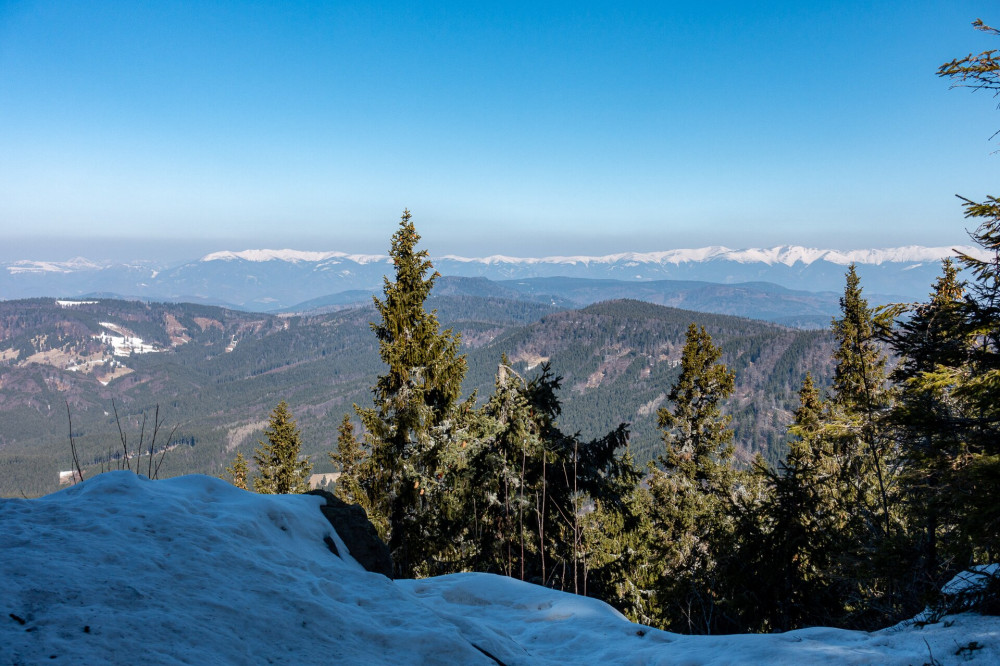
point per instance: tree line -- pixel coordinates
(889, 487)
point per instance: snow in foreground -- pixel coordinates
(191, 570)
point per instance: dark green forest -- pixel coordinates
(617, 360)
(883, 487)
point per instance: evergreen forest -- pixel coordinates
(887, 489)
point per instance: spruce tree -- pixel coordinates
(499, 478)
(870, 530)
(414, 405)
(792, 550)
(692, 490)
(349, 459)
(279, 470)
(928, 420)
(976, 385)
(696, 434)
(861, 397)
(238, 470)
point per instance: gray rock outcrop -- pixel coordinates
(357, 532)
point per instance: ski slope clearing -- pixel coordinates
(191, 570)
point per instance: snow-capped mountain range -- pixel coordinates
(270, 280)
(789, 255)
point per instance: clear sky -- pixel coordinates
(524, 128)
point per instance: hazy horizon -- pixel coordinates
(167, 251)
(514, 128)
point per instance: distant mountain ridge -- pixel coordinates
(788, 255)
(268, 280)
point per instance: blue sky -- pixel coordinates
(523, 128)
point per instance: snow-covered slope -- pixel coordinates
(121, 570)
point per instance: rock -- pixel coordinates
(357, 532)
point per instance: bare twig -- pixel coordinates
(121, 434)
(930, 653)
(156, 429)
(142, 438)
(156, 470)
(72, 443)
(152, 471)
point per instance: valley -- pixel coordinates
(215, 374)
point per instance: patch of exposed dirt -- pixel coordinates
(533, 360)
(205, 323)
(611, 368)
(106, 377)
(176, 330)
(651, 406)
(236, 435)
(57, 358)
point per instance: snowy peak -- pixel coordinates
(788, 255)
(272, 279)
(73, 265)
(293, 256)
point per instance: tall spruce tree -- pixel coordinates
(692, 491)
(861, 397)
(965, 384)
(414, 400)
(927, 418)
(867, 460)
(279, 470)
(977, 383)
(791, 543)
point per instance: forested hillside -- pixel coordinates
(618, 360)
(217, 373)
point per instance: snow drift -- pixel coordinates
(120, 569)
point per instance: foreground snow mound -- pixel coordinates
(191, 570)
(556, 627)
(123, 570)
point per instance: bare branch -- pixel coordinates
(121, 434)
(72, 444)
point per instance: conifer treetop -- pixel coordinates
(695, 431)
(278, 466)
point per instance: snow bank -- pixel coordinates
(120, 569)
(556, 627)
